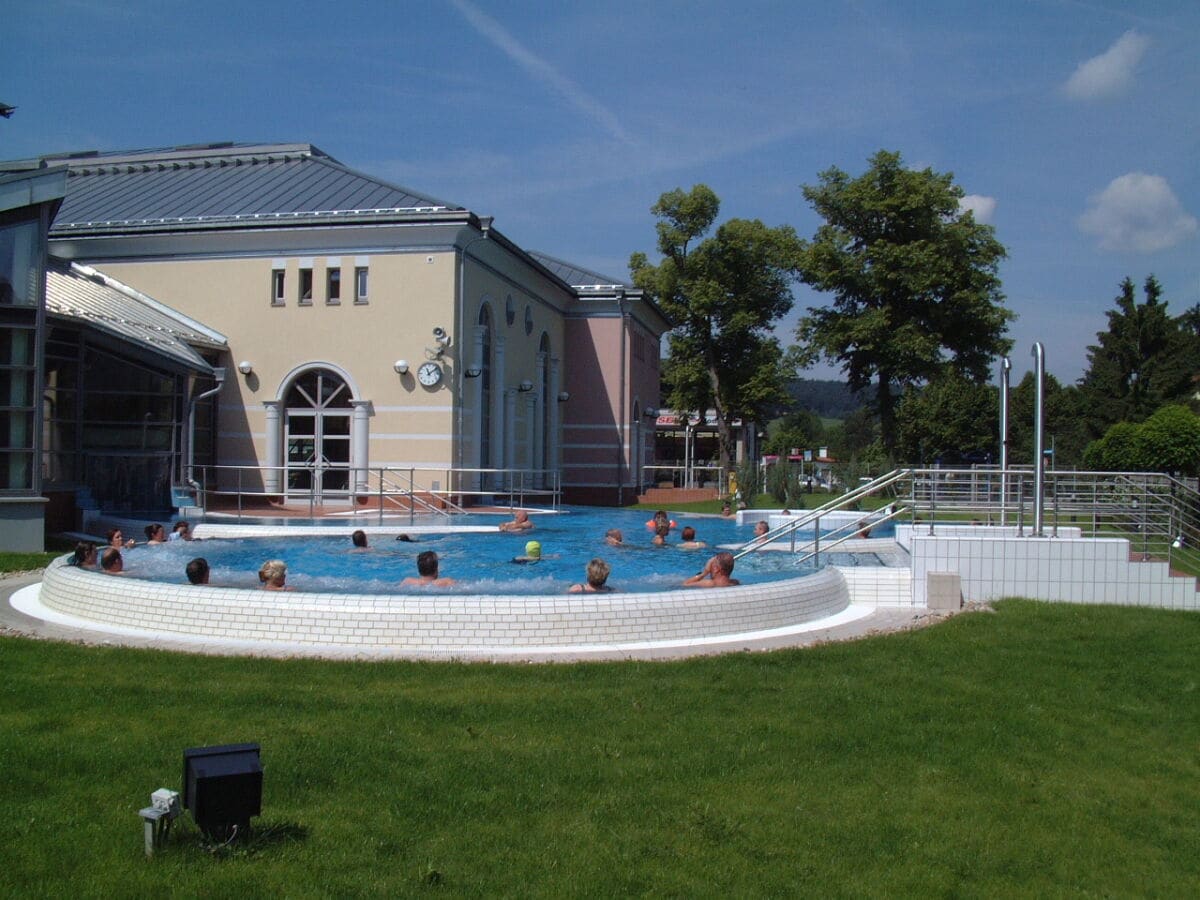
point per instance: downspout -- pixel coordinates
(485, 225)
(1005, 368)
(1039, 462)
(623, 432)
(219, 377)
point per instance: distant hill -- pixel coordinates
(829, 399)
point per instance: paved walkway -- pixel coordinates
(879, 621)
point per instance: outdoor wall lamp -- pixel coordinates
(245, 367)
(564, 396)
(525, 386)
(473, 371)
(401, 366)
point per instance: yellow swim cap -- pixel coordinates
(533, 548)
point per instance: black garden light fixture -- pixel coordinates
(222, 786)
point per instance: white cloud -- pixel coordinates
(982, 207)
(1137, 212)
(1111, 71)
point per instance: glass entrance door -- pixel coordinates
(317, 436)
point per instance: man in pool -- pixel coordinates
(597, 579)
(111, 563)
(197, 570)
(716, 573)
(520, 522)
(427, 572)
(689, 541)
(614, 538)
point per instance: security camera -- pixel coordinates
(439, 334)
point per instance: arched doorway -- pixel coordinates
(316, 434)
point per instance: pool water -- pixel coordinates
(480, 563)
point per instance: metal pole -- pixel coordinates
(1005, 369)
(1039, 462)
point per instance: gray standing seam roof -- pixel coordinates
(575, 275)
(80, 294)
(234, 186)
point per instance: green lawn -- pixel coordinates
(1037, 751)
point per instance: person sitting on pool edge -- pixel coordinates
(689, 541)
(520, 522)
(716, 573)
(533, 553)
(197, 570)
(273, 575)
(597, 579)
(427, 572)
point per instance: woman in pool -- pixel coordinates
(273, 575)
(155, 534)
(597, 579)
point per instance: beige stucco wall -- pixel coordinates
(409, 294)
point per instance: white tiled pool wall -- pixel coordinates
(994, 563)
(447, 622)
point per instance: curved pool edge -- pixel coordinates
(444, 625)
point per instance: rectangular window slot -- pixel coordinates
(333, 287)
(277, 286)
(360, 284)
(306, 287)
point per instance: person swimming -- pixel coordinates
(533, 553)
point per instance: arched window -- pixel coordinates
(317, 424)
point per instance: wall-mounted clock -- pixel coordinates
(429, 374)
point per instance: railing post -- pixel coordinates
(412, 500)
(816, 542)
(239, 494)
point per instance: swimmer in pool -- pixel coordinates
(760, 531)
(614, 538)
(716, 573)
(533, 554)
(520, 522)
(597, 579)
(661, 533)
(427, 572)
(197, 570)
(273, 575)
(359, 539)
(689, 541)
(111, 562)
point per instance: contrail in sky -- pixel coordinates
(493, 31)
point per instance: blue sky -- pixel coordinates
(1074, 126)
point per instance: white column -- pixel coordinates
(554, 462)
(475, 393)
(360, 436)
(499, 421)
(531, 419)
(273, 478)
(510, 430)
(539, 440)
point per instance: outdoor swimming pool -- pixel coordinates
(479, 561)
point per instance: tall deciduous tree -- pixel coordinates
(913, 277)
(951, 419)
(723, 293)
(1144, 360)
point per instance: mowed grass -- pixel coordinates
(1039, 750)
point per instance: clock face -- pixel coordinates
(429, 374)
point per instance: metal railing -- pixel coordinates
(1158, 514)
(393, 489)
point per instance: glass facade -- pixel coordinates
(130, 417)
